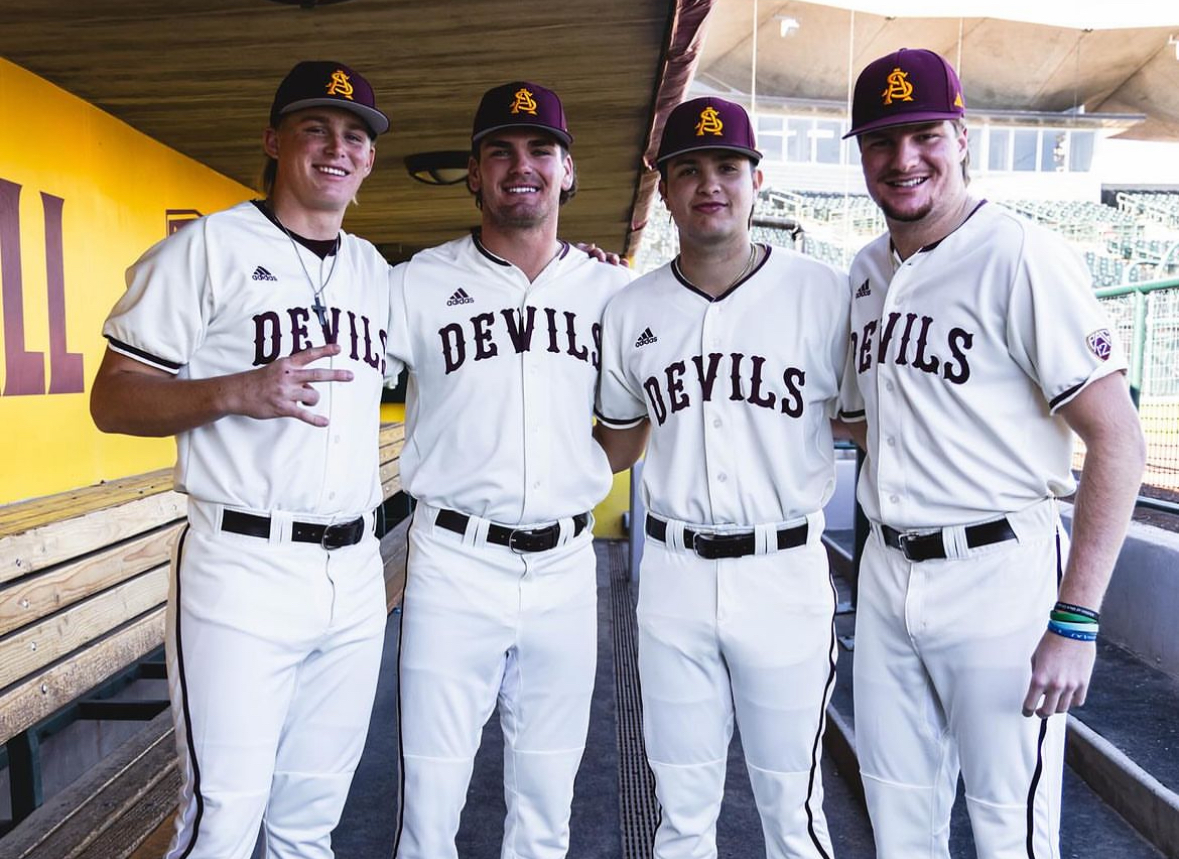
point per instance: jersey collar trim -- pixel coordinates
(322, 248)
(925, 248)
(479, 247)
(561, 254)
(679, 275)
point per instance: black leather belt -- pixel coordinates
(516, 539)
(931, 547)
(713, 546)
(333, 536)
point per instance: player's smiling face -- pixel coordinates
(710, 194)
(914, 172)
(323, 155)
(520, 174)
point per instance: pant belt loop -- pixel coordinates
(816, 523)
(765, 539)
(280, 527)
(565, 533)
(954, 541)
(675, 535)
(477, 528)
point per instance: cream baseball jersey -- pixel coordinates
(960, 358)
(227, 294)
(499, 403)
(739, 389)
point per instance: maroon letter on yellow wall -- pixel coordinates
(65, 367)
(25, 370)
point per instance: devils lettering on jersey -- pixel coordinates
(667, 395)
(518, 327)
(273, 339)
(913, 348)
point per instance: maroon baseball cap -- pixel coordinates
(904, 88)
(520, 105)
(707, 123)
(319, 83)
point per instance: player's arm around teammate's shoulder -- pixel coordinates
(1103, 416)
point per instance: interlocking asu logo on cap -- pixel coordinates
(707, 123)
(340, 84)
(523, 101)
(315, 83)
(710, 123)
(520, 104)
(906, 87)
(898, 87)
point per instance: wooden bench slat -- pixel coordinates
(20, 515)
(40, 696)
(70, 820)
(393, 431)
(41, 644)
(55, 542)
(35, 597)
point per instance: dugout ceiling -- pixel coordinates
(199, 76)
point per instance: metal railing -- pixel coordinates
(1146, 316)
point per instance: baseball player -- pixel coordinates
(502, 339)
(976, 345)
(256, 336)
(730, 356)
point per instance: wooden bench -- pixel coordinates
(83, 587)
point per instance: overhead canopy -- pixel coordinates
(1062, 65)
(199, 77)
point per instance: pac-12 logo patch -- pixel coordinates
(1100, 343)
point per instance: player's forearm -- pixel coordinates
(1101, 513)
(623, 447)
(141, 405)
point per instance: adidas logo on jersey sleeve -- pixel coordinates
(646, 338)
(460, 297)
(864, 291)
(262, 274)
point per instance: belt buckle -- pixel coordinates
(521, 540)
(337, 535)
(903, 544)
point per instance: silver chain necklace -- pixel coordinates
(318, 306)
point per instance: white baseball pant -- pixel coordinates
(273, 652)
(942, 665)
(482, 623)
(749, 638)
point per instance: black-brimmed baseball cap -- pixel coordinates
(906, 87)
(320, 83)
(520, 105)
(707, 123)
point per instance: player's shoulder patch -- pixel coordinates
(1100, 343)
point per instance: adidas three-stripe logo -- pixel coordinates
(262, 274)
(460, 297)
(646, 338)
(864, 291)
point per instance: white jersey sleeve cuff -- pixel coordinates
(1067, 396)
(619, 423)
(142, 356)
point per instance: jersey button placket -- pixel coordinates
(537, 405)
